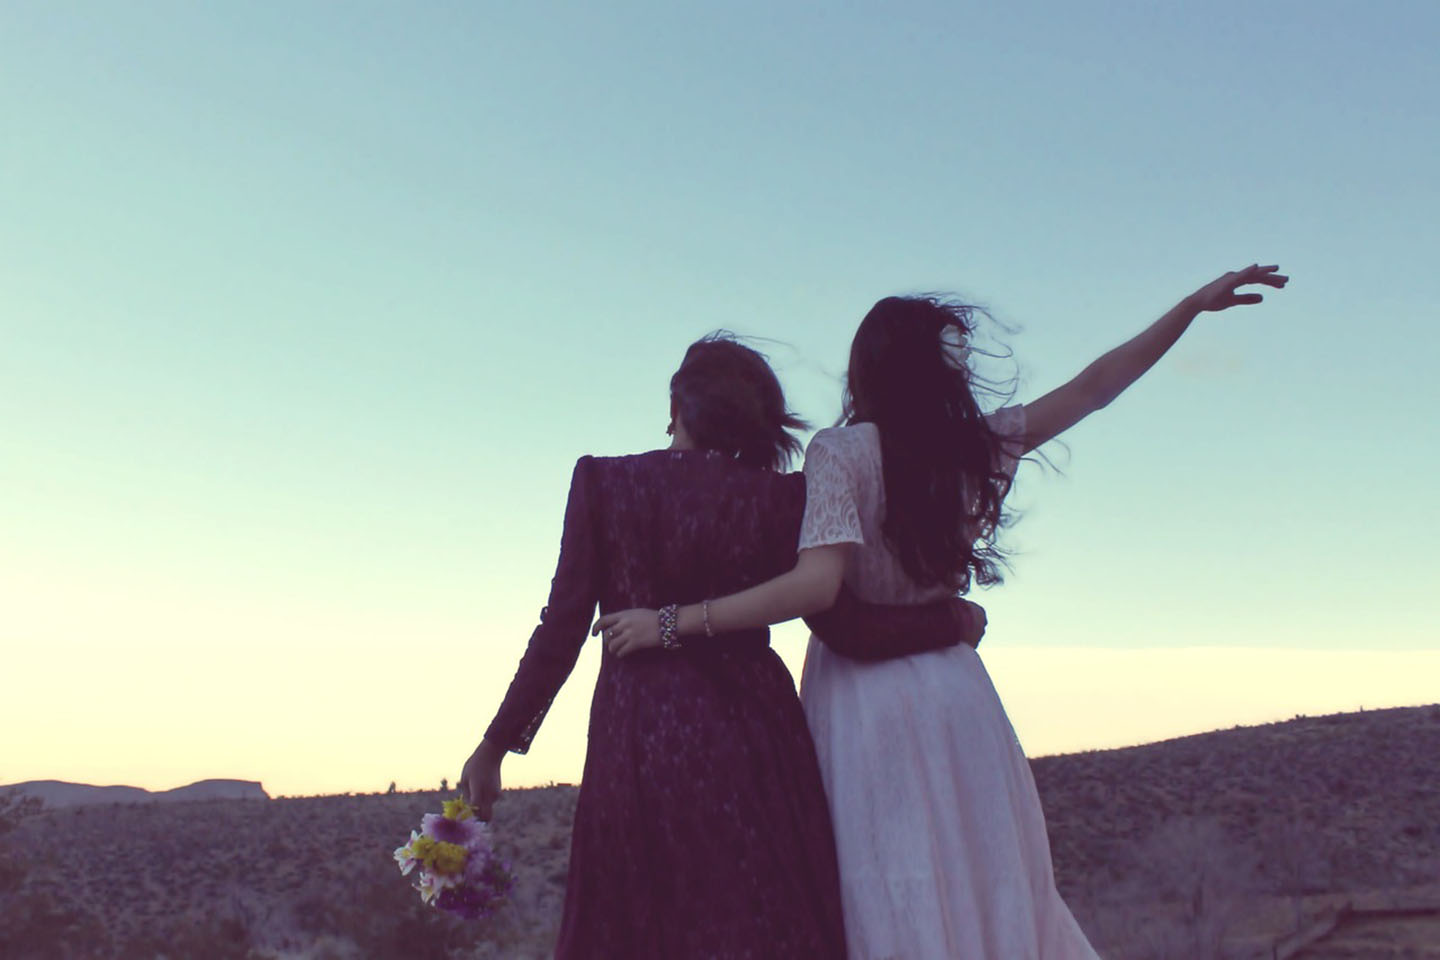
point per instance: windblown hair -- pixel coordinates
(730, 400)
(943, 484)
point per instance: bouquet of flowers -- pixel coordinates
(459, 869)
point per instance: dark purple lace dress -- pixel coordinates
(701, 828)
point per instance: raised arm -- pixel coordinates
(1108, 377)
(551, 654)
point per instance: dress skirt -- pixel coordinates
(701, 829)
(938, 826)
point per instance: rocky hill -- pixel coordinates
(1270, 828)
(59, 793)
(1363, 787)
(1218, 845)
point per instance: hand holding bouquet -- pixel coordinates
(459, 869)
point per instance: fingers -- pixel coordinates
(976, 626)
(623, 645)
(614, 636)
(1266, 275)
(482, 799)
(1255, 273)
(481, 804)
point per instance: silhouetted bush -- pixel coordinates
(1182, 890)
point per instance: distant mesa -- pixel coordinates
(58, 793)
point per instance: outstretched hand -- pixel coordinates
(629, 631)
(1220, 293)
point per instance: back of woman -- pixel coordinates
(677, 733)
(844, 468)
(940, 837)
(701, 828)
(679, 523)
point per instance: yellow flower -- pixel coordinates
(457, 809)
(449, 858)
(423, 849)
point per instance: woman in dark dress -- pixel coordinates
(701, 828)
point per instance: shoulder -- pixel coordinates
(849, 445)
(624, 463)
(1007, 421)
(852, 437)
(675, 467)
(590, 468)
(595, 470)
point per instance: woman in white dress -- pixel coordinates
(941, 838)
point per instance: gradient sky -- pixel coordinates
(309, 308)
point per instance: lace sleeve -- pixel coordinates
(830, 512)
(564, 624)
(1009, 423)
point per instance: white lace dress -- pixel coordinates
(942, 843)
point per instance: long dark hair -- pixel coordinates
(943, 483)
(730, 401)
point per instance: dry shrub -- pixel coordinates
(1294, 863)
(30, 922)
(1177, 897)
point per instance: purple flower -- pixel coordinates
(462, 832)
(487, 882)
(467, 901)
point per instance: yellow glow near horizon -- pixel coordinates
(298, 732)
(158, 678)
(1063, 700)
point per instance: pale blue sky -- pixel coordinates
(308, 308)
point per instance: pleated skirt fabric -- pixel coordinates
(938, 826)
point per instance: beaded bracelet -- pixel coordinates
(670, 627)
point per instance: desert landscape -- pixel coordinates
(1317, 838)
